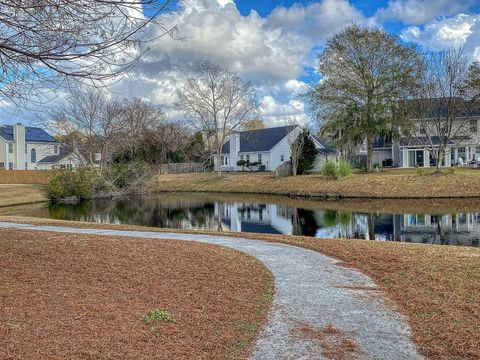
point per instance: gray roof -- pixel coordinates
(327, 148)
(259, 140)
(62, 153)
(266, 139)
(33, 134)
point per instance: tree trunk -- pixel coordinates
(369, 154)
(219, 164)
(438, 165)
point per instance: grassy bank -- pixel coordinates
(67, 296)
(437, 287)
(396, 183)
(18, 194)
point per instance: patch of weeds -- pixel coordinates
(156, 316)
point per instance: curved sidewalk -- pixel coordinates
(311, 292)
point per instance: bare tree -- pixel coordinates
(47, 44)
(444, 103)
(101, 125)
(218, 102)
(295, 142)
(254, 124)
(137, 118)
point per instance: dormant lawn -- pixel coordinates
(394, 183)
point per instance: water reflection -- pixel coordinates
(452, 225)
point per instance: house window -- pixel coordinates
(10, 148)
(415, 158)
(2, 165)
(248, 158)
(478, 150)
(33, 156)
(26, 150)
(241, 157)
(226, 160)
(423, 130)
(69, 167)
(10, 166)
(282, 158)
(260, 158)
(473, 126)
(55, 149)
(462, 153)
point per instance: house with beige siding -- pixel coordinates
(32, 148)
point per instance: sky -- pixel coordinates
(275, 44)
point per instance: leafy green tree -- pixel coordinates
(307, 157)
(366, 73)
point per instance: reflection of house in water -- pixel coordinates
(460, 229)
(260, 218)
(457, 229)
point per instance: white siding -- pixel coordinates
(282, 148)
(42, 150)
(3, 149)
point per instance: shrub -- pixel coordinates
(344, 169)
(80, 184)
(242, 163)
(451, 170)
(330, 169)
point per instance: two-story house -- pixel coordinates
(414, 151)
(31, 148)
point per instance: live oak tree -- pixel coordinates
(49, 44)
(447, 95)
(365, 72)
(217, 102)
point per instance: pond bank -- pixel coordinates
(388, 184)
(21, 194)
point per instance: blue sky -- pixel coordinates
(275, 43)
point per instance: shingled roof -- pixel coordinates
(260, 140)
(33, 134)
(266, 139)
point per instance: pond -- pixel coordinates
(449, 222)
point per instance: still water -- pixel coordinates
(449, 222)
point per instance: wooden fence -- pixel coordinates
(25, 176)
(180, 168)
(284, 170)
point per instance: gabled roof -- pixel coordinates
(33, 134)
(439, 107)
(62, 153)
(260, 140)
(326, 148)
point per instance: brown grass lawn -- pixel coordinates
(396, 183)
(437, 287)
(77, 296)
(22, 194)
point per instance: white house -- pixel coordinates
(31, 148)
(409, 152)
(270, 147)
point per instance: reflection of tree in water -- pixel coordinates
(147, 212)
(304, 222)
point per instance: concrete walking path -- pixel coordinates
(312, 291)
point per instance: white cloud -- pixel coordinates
(317, 20)
(445, 33)
(276, 113)
(422, 11)
(272, 52)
